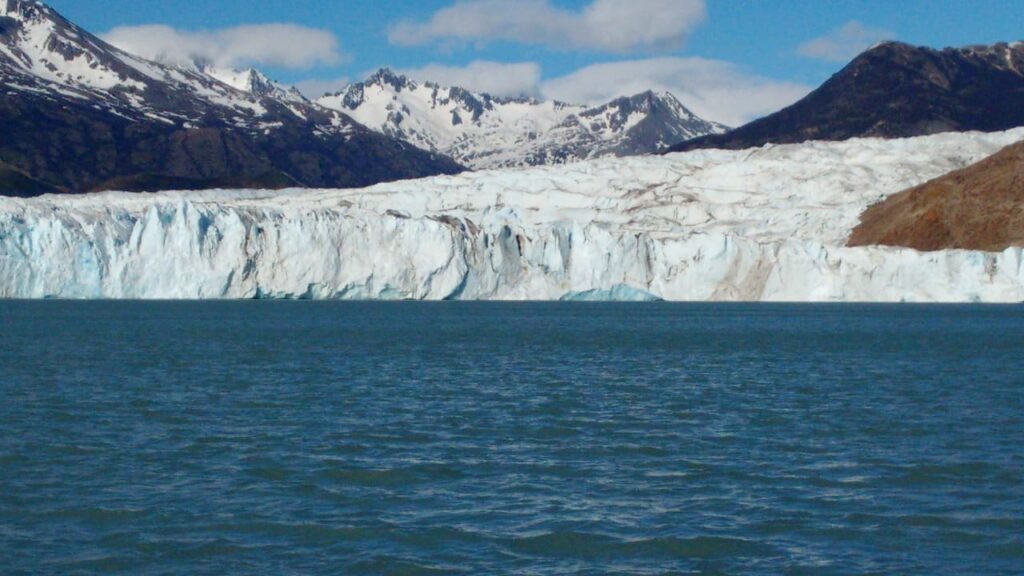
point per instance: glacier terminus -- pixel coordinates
(764, 224)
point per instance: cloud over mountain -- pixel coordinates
(843, 43)
(281, 45)
(603, 25)
(713, 89)
(494, 78)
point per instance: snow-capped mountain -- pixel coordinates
(253, 82)
(79, 114)
(762, 224)
(483, 131)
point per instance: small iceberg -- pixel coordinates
(618, 293)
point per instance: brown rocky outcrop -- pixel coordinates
(978, 208)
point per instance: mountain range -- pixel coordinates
(896, 90)
(82, 115)
(79, 115)
(484, 131)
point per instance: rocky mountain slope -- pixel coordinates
(764, 224)
(78, 115)
(895, 90)
(978, 208)
(483, 131)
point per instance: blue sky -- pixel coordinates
(773, 49)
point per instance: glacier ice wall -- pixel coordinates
(764, 224)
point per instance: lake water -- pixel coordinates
(334, 438)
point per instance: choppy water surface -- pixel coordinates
(320, 438)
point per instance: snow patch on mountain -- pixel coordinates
(43, 53)
(52, 52)
(483, 131)
(761, 224)
(1002, 55)
(252, 81)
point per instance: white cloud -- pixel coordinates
(316, 88)
(603, 25)
(713, 89)
(281, 45)
(844, 43)
(495, 78)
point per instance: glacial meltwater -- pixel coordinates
(465, 438)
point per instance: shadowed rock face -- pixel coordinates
(895, 91)
(79, 115)
(978, 208)
(72, 147)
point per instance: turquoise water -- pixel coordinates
(330, 438)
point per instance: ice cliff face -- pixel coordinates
(763, 224)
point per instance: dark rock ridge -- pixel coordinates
(895, 90)
(978, 208)
(78, 115)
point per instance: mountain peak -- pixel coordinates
(33, 13)
(387, 76)
(890, 45)
(667, 97)
(44, 47)
(650, 100)
(30, 13)
(1000, 52)
(889, 50)
(647, 98)
(23, 9)
(896, 90)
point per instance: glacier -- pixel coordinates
(766, 224)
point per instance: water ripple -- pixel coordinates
(319, 438)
